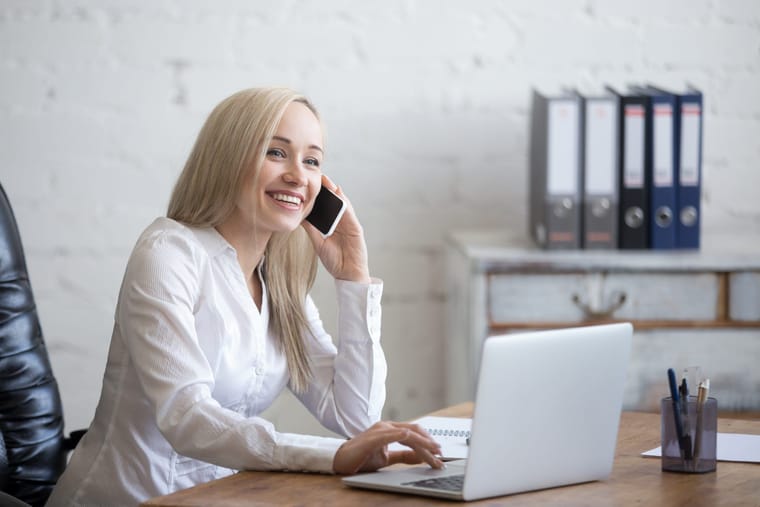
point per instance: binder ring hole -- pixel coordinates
(689, 216)
(634, 217)
(663, 216)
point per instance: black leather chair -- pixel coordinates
(33, 449)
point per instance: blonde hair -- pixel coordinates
(234, 139)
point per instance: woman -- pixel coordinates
(214, 320)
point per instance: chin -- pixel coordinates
(288, 228)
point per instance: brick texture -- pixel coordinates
(426, 105)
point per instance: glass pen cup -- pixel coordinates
(694, 450)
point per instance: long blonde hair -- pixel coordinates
(234, 138)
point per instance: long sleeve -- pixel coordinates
(157, 317)
(347, 391)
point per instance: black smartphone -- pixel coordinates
(327, 210)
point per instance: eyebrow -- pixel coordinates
(287, 141)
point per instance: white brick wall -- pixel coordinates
(426, 107)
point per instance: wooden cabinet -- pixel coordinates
(688, 308)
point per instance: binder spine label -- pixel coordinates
(690, 119)
(663, 146)
(562, 178)
(601, 130)
(633, 165)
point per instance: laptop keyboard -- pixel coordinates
(450, 483)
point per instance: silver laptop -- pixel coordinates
(546, 414)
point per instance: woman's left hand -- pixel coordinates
(344, 253)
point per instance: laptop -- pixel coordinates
(547, 411)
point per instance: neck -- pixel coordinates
(249, 244)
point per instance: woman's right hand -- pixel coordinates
(368, 451)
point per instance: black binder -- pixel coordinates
(635, 171)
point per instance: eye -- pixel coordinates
(276, 152)
(312, 161)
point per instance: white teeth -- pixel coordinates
(287, 198)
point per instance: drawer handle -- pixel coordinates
(616, 301)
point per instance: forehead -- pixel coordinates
(299, 123)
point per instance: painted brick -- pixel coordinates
(738, 95)
(426, 106)
(653, 11)
(53, 42)
(564, 44)
(722, 46)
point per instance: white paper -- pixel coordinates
(730, 447)
(451, 432)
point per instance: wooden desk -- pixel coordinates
(634, 480)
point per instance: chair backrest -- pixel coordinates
(31, 415)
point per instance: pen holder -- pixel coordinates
(692, 448)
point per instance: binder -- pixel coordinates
(662, 154)
(633, 219)
(689, 168)
(599, 165)
(555, 178)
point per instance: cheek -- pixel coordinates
(314, 185)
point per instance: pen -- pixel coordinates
(702, 392)
(685, 424)
(684, 441)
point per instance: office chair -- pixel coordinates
(33, 449)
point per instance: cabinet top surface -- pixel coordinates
(494, 249)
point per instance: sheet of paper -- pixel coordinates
(451, 432)
(731, 447)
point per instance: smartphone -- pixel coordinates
(326, 213)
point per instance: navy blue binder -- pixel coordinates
(662, 154)
(689, 169)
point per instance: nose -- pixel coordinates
(295, 175)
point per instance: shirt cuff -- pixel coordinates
(359, 312)
(307, 453)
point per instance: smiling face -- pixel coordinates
(289, 178)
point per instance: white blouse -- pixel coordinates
(192, 364)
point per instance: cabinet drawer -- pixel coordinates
(577, 297)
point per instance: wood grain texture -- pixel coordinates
(634, 481)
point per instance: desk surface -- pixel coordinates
(634, 480)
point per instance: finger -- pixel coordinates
(419, 435)
(407, 457)
(327, 182)
(428, 458)
(413, 457)
(381, 437)
(413, 427)
(337, 190)
(425, 449)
